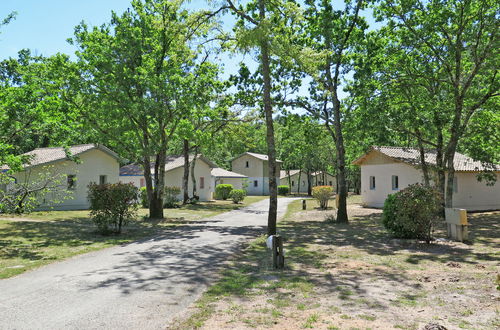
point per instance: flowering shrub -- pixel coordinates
(412, 212)
(322, 194)
(237, 195)
(112, 205)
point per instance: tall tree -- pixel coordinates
(444, 65)
(138, 77)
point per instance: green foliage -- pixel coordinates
(283, 190)
(322, 194)
(143, 194)
(31, 191)
(237, 195)
(412, 212)
(171, 197)
(222, 191)
(112, 205)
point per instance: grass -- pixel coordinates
(39, 238)
(353, 275)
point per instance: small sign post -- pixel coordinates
(457, 224)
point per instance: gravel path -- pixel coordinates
(141, 285)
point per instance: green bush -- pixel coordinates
(412, 212)
(222, 191)
(322, 194)
(143, 194)
(112, 205)
(283, 190)
(171, 197)
(237, 195)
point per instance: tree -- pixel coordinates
(260, 16)
(139, 74)
(328, 38)
(33, 107)
(446, 53)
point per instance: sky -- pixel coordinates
(43, 26)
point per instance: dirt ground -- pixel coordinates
(354, 276)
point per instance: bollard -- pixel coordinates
(278, 254)
(304, 206)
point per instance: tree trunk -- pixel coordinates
(298, 183)
(185, 177)
(423, 163)
(341, 174)
(268, 110)
(309, 185)
(156, 201)
(193, 178)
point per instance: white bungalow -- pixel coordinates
(174, 172)
(256, 168)
(222, 176)
(385, 170)
(72, 172)
(297, 180)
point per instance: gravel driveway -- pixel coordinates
(141, 285)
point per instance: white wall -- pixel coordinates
(383, 173)
(134, 179)
(93, 164)
(472, 195)
(173, 178)
(236, 182)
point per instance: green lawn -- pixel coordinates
(39, 238)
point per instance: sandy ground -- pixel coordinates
(356, 277)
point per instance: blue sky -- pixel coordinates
(44, 25)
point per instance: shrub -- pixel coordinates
(412, 212)
(143, 194)
(112, 205)
(222, 191)
(171, 197)
(322, 194)
(237, 195)
(283, 190)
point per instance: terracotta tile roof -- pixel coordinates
(222, 173)
(172, 162)
(258, 156)
(41, 156)
(462, 163)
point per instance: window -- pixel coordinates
(103, 179)
(331, 183)
(142, 183)
(202, 182)
(255, 183)
(455, 184)
(293, 183)
(247, 164)
(395, 182)
(372, 183)
(71, 181)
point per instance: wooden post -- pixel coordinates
(304, 206)
(278, 255)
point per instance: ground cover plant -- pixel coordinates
(355, 276)
(43, 237)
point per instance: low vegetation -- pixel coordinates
(237, 195)
(283, 190)
(112, 205)
(412, 212)
(322, 194)
(355, 276)
(222, 191)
